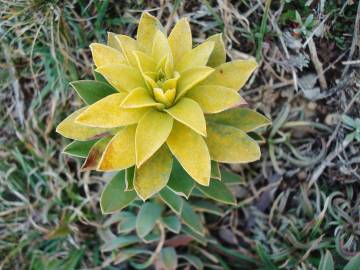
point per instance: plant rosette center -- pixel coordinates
(163, 89)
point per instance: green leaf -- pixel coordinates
(353, 264)
(194, 261)
(152, 237)
(172, 200)
(218, 191)
(168, 258)
(191, 219)
(257, 137)
(180, 181)
(116, 218)
(218, 55)
(128, 253)
(194, 235)
(265, 257)
(113, 197)
(149, 213)
(100, 78)
(172, 223)
(208, 207)
(79, 148)
(120, 242)
(215, 170)
(242, 118)
(348, 121)
(230, 178)
(127, 223)
(229, 144)
(74, 259)
(94, 156)
(92, 91)
(327, 262)
(129, 178)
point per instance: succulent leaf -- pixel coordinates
(113, 42)
(113, 197)
(218, 55)
(191, 151)
(215, 98)
(139, 98)
(148, 25)
(151, 133)
(105, 55)
(172, 200)
(219, 192)
(242, 118)
(160, 47)
(120, 152)
(180, 181)
(69, 128)
(197, 57)
(92, 91)
(154, 174)
(190, 78)
(231, 145)
(93, 158)
(189, 113)
(180, 34)
(233, 74)
(122, 77)
(79, 148)
(128, 45)
(107, 113)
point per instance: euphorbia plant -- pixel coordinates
(164, 112)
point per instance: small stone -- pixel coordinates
(236, 167)
(302, 175)
(312, 106)
(332, 119)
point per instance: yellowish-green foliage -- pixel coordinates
(154, 109)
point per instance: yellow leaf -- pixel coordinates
(72, 130)
(218, 55)
(231, 145)
(190, 78)
(215, 98)
(160, 49)
(198, 56)
(113, 42)
(122, 77)
(191, 151)
(180, 39)
(145, 62)
(242, 118)
(139, 98)
(120, 151)
(171, 83)
(128, 46)
(107, 113)
(233, 74)
(190, 114)
(166, 98)
(151, 133)
(169, 66)
(105, 55)
(147, 28)
(154, 174)
(95, 153)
